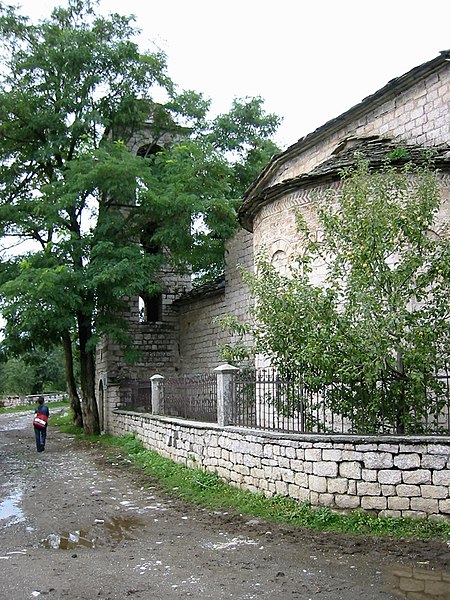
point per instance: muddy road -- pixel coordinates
(77, 524)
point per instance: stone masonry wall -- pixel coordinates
(200, 337)
(417, 116)
(395, 477)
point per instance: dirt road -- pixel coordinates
(77, 525)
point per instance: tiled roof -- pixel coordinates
(390, 90)
(375, 149)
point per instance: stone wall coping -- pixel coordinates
(165, 419)
(307, 437)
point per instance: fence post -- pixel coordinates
(156, 394)
(225, 393)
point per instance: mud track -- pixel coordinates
(78, 524)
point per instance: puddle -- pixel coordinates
(10, 510)
(68, 541)
(416, 583)
(117, 529)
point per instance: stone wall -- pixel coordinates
(199, 335)
(11, 401)
(395, 477)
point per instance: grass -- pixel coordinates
(207, 490)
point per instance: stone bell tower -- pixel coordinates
(152, 324)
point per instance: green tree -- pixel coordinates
(376, 331)
(33, 373)
(75, 95)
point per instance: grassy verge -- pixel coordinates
(208, 491)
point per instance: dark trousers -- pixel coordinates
(40, 435)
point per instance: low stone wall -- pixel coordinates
(395, 477)
(10, 401)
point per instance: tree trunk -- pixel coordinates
(91, 422)
(71, 385)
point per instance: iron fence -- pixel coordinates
(264, 400)
(136, 395)
(191, 397)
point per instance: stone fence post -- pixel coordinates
(225, 393)
(156, 394)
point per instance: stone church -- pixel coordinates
(177, 334)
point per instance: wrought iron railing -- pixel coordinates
(191, 397)
(136, 395)
(264, 400)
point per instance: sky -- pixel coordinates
(310, 60)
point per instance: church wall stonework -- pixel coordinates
(200, 335)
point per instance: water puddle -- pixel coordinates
(418, 583)
(69, 541)
(10, 509)
(116, 529)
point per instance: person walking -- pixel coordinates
(41, 414)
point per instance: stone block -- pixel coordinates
(437, 589)
(332, 455)
(388, 490)
(442, 477)
(337, 486)
(416, 477)
(299, 493)
(407, 461)
(297, 465)
(390, 476)
(369, 474)
(350, 470)
(434, 491)
(394, 514)
(364, 488)
(409, 491)
(281, 488)
(444, 506)
(392, 448)
(351, 455)
(346, 502)
(288, 476)
(433, 462)
(325, 500)
(325, 469)
(427, 505)
(414, 514)
(373, 503)
(317, 484)
(443, 449)
(375, 460)
(313, 454)
(301, 479)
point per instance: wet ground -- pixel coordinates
(76, 524)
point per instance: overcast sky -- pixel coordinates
(309, 59)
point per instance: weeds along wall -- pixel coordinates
(392, 477)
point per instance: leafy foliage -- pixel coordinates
(363, 314)
(89, 159)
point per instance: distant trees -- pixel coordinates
(33, 373)
(75, 202)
